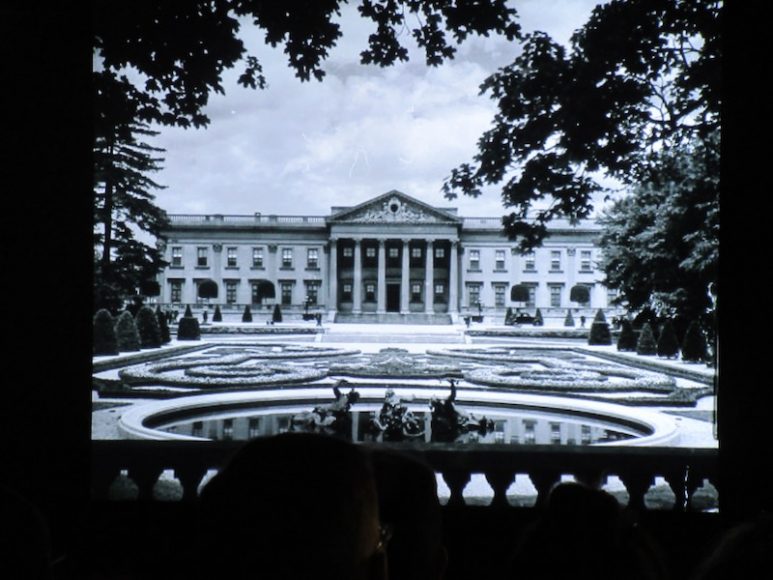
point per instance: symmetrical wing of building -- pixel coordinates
(390, 256)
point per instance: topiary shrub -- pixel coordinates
(277, 314)
(569, 320)
(217, 316)
(668, 345)
(599, 331)
(126, 334)
(104, 334)
(247, 315)
(147, 327)
(163, 326)
(646, 344)
(694, 344)
(599, 316)
(509, 316)
(538, 320)
(188, 312)
(188, 328)
(627, 339)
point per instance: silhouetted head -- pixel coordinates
(745, 551)
(297, 505)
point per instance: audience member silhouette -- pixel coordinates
(296, 505)
(745, 551)
(408, 502)
(585, 534)
(25, 542)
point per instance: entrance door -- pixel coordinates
(393, 298)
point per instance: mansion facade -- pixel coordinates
(391, 255)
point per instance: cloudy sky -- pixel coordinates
(299, 148)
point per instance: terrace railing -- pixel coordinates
(244, 220)
(684, 469)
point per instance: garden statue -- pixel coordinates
(451, 425)
(330, 419)
(395, 422)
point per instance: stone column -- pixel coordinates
(357, 283)
(429, 279)
(381, 282)
(332, 301)
(405, 278)
(453, 279)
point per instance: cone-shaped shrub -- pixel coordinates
(163, 326)
(104, 333)
(126, 333)
(277, 315)
(247, 315)
(538, 320)
(188, 313)
(646, 344)
(627, 339)
(569, 320)
(147, 327)
(668, 345)
(694, 344)
(509, 316)
(217, 316)
(599, 316)
(188, 328)
(599, 333)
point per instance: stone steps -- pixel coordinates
(393, 318)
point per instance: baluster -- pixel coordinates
(544, 480)
(637, 485)
(676, 482)
(499, 482)
(456, 480)
(694, 481)
(101, 479)
(145, 476)
(190, 477)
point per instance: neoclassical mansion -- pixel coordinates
(392, 257)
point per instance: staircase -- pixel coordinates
(392, 318)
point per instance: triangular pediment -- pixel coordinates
(394, 207)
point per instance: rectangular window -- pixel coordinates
(440, 252)
(312, 258)
(254, 427)
(202, 257)
(176, 291)
(231, 257)
(370, 252)
(177, 256)
(499, 294)
(348, 252)
(585, 261)
(612, 295)
(312, 292)
(555, 433)
(529, 262)
(287, 257)
(416, 292)
(532, 302)
(529, 435)
(255, 293)
(287, 293)
(500, 260)
(473, 294)
(474, 259)
(230, 292)
(394, 252)
(555, 295)
(346, 292)
(439, 289)
(257, 257)
(555, 260)
(370, 292)
(415, 252)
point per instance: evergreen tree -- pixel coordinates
(627, 339)
(277, 314)
(188, 328)
(126, 333)
(163, 326)
(104, 334)
(569, 320)
(538, 320)
(694, 344)
(247, 315)
(599, 316)
(599, 333)
(148, 329)
(188, 312)
(217, 316)
(668, 345)
(646, 344)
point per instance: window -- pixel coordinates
(499, 294)
(287, 293)
(253, 427)
(256, 293)
(555, 260)
(555, 295)
(529, 436)
(416, 292)
(440, 252)
(555, 433)
(228, 429)
(312, 292)
(585, 258)
(532, 301)
(370, 292)
(287, 257)
(473, 294)
(439, 289)
(348, 252)
(346, 292)
(474, 259)
(257, 257)
(585, 435)
(176, 287)
(612, 295)
(177, 256)
(394, 252)
(415, 252)
(201, 257)
(231, 257)
(312, 258)
(230, 291)
(529, 262)
(370, 252)
(499, 260)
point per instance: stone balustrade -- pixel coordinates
(685, 470)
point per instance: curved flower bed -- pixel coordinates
(545, 357)
(278, 350)
(392, 362)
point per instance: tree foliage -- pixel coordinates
(646, 344)
(104, 342)
(694, 344)
(627, 339)
(640, 76)
(126, 333)
(668, 344)
(148, 328)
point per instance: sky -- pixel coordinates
(299, 148)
